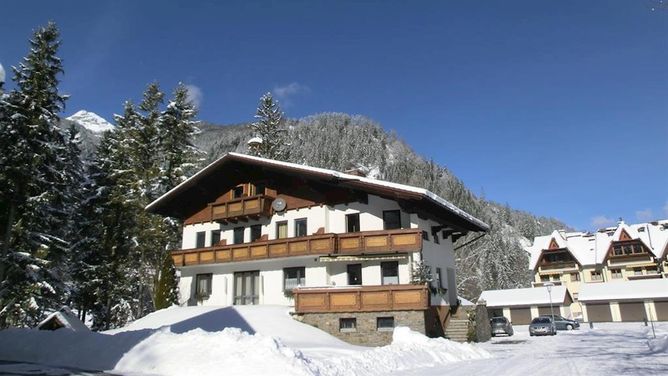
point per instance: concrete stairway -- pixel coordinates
(457, 330)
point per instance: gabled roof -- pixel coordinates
(592, 248)
(190, 192)
(532, 296)
(624, 290)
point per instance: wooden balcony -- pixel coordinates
(241, 209)
(307, 245)
(355, 243)
(361, 298)
(558, 265)
(358, 243)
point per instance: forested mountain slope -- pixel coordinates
(340, 141)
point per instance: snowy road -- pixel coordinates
(609, 349)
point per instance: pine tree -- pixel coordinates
(34, 187)
(167, 291)
(269, 128)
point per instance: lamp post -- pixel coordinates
(549, 286)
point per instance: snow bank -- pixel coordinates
(659, 345)
(409, 350)
(203, 353)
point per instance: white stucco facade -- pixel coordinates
(318, 273)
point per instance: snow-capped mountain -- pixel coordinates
(91, 121)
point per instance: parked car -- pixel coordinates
(501, 325)
(563, 323)
(542, 326)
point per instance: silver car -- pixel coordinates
(542, 326)
(501, 325)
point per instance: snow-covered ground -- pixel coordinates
(261, 340)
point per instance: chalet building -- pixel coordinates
(621, 253)
(340, 248)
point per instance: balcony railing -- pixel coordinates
(546, 265)
(239, 209)
(359, 243)
(361, 298)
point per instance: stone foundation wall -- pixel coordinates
(366, 333)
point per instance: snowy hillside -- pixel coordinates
(91, 121)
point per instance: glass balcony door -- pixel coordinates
(247, 288)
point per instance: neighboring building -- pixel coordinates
(339, 247)
(621, 253)
(625, 301)
(521, 305)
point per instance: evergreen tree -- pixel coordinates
(167, 292)
(34, 187)
(269, 128)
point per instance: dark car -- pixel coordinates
(542, 326)
(563, 323)
(501, 325)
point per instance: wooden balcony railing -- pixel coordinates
(361, 298)
(391, 241)
(232, 211)
(546, 265)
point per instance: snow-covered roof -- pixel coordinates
(524, 297)
(591, 248)
(343, 178)
(624, 290)
(66, 318)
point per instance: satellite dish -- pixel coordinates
(279, 204)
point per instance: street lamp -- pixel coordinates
(549, 286)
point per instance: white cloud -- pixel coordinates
(285, 93)
(2, 73)
(602, 221)
(195, 95)
(644, 215)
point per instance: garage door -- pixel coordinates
(661, 310)
(520, 316)
(599, 312)
(632, 311)
(546, 310)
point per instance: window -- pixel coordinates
(293, 277)
(390, 272)
(575, 277)
(385, 323)
(246, 288)
(203, 285)
(215, 237)
(652, 271)
(256, 232)
(436, 239)
(281, 230)
(616, 273)
(439, 278)
(259, 188)
(637, 271)
(596, 276)
(556, 277)
(425, 235)
(348, 324)
(575, 296)
(238, 235)
(353, 222)
(545, 278)
(201, 237)
(355, 274)
(238, 192)
(391, 219)
(300, 227)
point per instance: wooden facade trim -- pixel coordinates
(358, 243)
(362, 299)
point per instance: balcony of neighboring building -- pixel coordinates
(361, 298)
(629, 252)
(557, 259)
(241, 209)
(321, 244)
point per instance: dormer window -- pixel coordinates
(626, 249)
(238, 192)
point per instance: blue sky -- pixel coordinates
(559, 108)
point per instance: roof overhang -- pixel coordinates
(209, 182)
